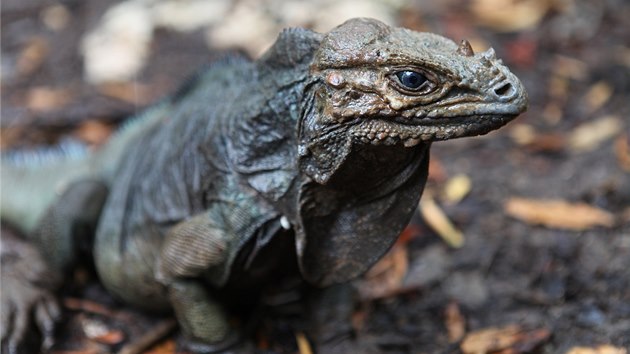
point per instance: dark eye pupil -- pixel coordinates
(411, 79)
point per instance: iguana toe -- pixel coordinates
(228, 345)
(25, 298)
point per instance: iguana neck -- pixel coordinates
(329, 155)
(372, 167)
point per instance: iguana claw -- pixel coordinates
(27, 294)
(225, 346)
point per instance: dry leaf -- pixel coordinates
(253, 25)
(597, 96)
(85, 305)
(386, 276)
(111, 337)
(86, 348)
(55, 17)
(489, 340)
(558, 87)
(12, 135)
(118, 47)
(522, 52)
(188, 16)
(101, 333)
(477, 43)
(303, 345)
(552, 142)
(589, 136)
(553, 112)
(130, 91)
(167, 346)
(509, 15)
(439, 222)
(622, 150)
(602, 349)
(436, 170)
(358, 320)
(409, 233)
(512, 339)
(333, 12)
(526, 135)
(413, 19)
(455, 322)
(47, 99)
(522, 134)
(457, 188)
(151, 337)
(76, 304)
(244, 26)
(558, 213)
(570, 67)
(32, 56)
(94, 132)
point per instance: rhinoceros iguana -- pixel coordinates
(319, 149)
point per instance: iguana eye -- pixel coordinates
(411, 80)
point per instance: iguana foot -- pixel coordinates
(202, 320)
(27, 293)
(331, 317)
(232, 343)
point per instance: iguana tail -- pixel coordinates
(32, 180)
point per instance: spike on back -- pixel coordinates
(293, 46)
(465, 49)
(67, 149)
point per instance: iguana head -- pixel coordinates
(396, 86)
(377, 97)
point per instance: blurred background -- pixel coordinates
(522, 240)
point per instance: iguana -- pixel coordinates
(316, 153)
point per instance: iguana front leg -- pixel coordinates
(30, 278)
(192, 247)
(28, 286)
(68, 226)
(330, 312)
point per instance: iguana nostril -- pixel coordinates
(504, 90)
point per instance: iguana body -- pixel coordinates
(322, 144)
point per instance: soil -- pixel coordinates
(561, 287)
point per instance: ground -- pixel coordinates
(542, 206)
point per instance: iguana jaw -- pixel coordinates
(377, 131)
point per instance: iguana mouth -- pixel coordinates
(411, 132)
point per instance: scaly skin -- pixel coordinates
(319, 149)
